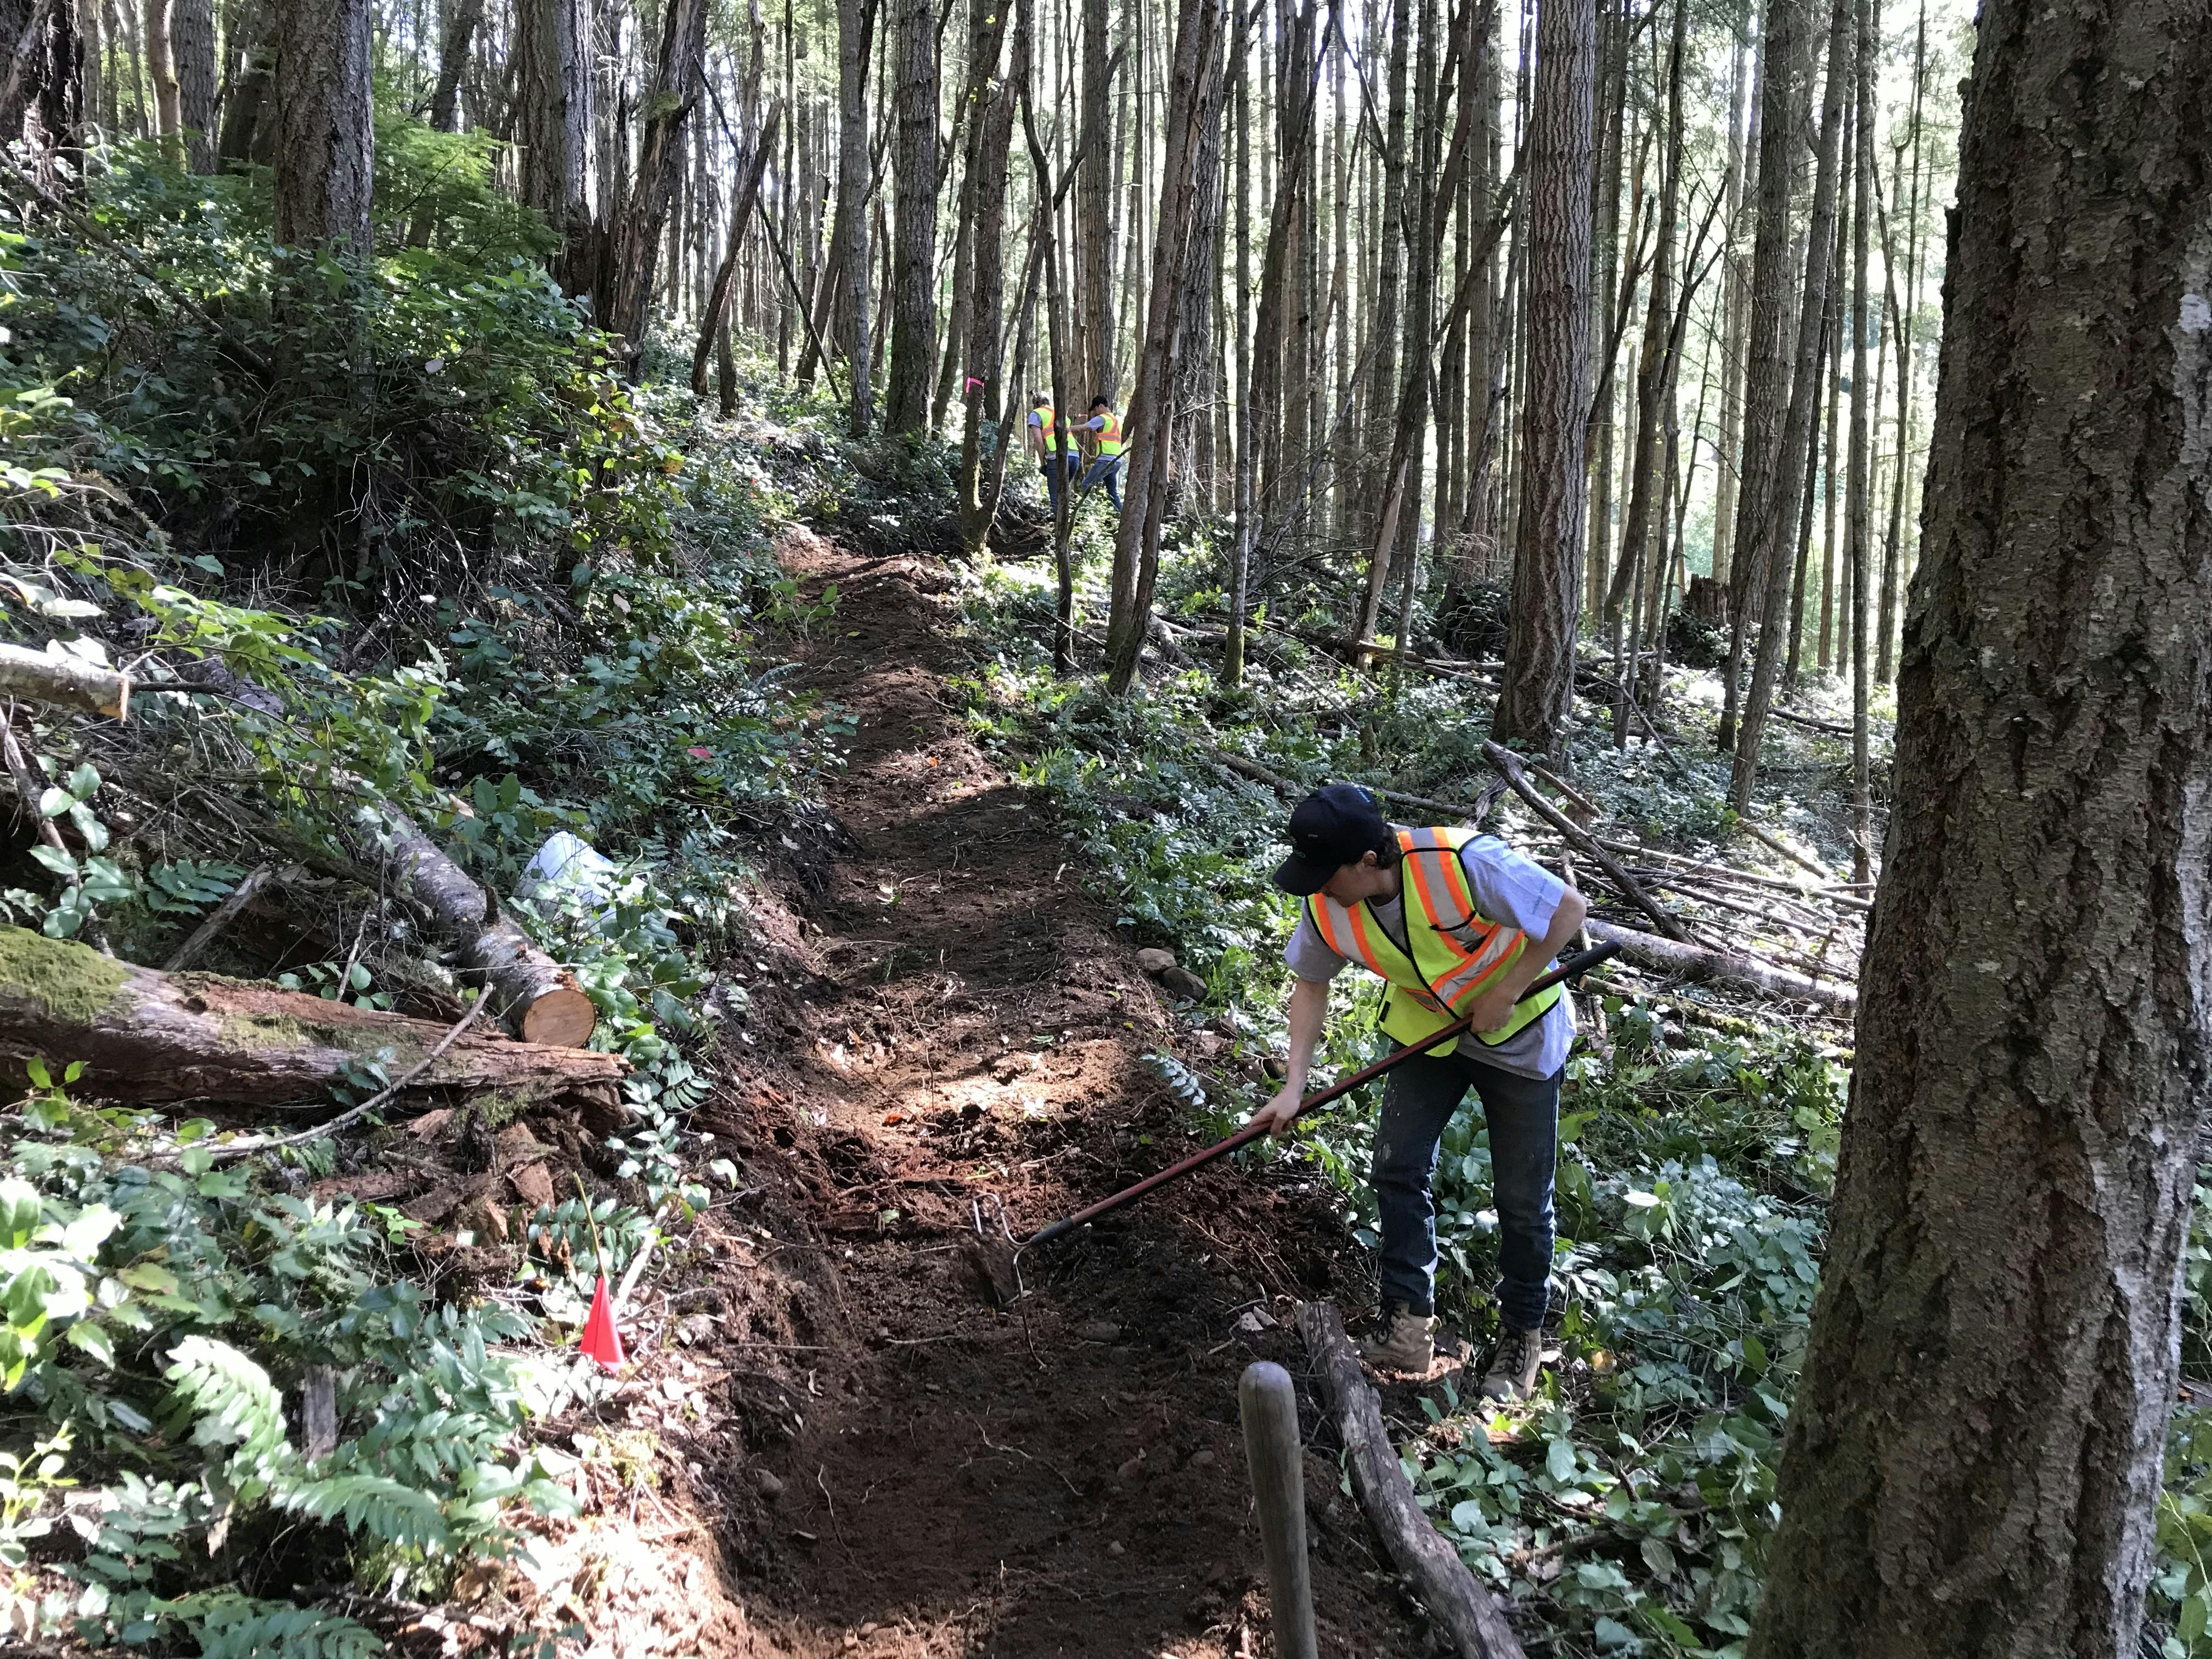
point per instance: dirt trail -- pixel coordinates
(906, 1469)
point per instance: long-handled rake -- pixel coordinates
(1000, 1261)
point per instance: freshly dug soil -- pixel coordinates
(889, 1462)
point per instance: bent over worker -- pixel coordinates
(1103, 432)
(1459, 924)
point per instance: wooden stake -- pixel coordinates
(1269, 1405)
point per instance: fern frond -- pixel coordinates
(273, 1630)
(387, 1510)
(234, 1401)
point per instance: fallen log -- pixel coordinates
(539, 1001)
(1509, 768)
(148, 1037)
(1439, 1578)
(70, 682)
(1786, 850)
(1722, 968)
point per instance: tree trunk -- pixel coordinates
(1735, 297)
(1194, 109)
(629, 244)
(1722, 969)
(1859, 495)
(1777, 533)
(1654, 372)
(990, 137)
(855, 19)
(42, 88)
(987, 29)
(244, 106)
(191, 53)
(553, 126)
(745, 190)
(1976, 1446)
(914, 282)
(1454, 1596)
(1892, 552)
(1381, 411)
(1533, 706)
(325, 135)
(1766, 379)
(161, 70)
(1241, 492)
(453, 61)
(149, 1037)
(539, 1000)
(1093, 359)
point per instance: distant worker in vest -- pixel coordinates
(1048, 434)
(1458, 923)
(1102, 433)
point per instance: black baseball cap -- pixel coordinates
(1335, 826)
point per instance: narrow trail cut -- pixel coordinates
(950, 1025)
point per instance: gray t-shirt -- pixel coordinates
(1508, 887)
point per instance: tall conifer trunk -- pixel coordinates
(1975, 1445)
(1533, 704)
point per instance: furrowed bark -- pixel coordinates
(1539, 679)
(1975, 1445)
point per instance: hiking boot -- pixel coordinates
(1406, 1342)
(1513, 1365)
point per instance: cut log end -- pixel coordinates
(561, 1019)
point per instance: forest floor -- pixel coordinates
(898, 1466)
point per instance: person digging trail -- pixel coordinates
(1458, 923)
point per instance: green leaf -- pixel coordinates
(84, 783)
(54, 800)
(94, 831)
(93, 1340)
(2194, 1612)
(1560, 1459)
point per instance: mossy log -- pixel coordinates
(148, 1037)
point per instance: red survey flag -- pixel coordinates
(602, 1341)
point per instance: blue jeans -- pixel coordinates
(1055, 475)
(1524, 1116)
(1106, 470)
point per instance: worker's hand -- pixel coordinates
(1277, 1113)
(1493, 1008)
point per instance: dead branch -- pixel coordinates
(1440, 1579)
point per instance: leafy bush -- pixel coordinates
(156, 1319)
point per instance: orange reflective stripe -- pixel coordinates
(1319, 908)
(1357, 914)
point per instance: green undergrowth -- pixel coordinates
(375, 538)
(1628, 1509)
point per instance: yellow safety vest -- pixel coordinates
(1109, 436)
(1048, 420)
(1453, 953)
